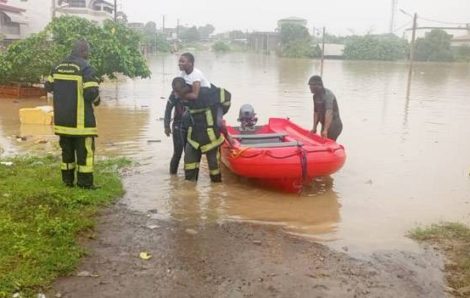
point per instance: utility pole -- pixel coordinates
(322, 52)
(53, 8)
(392, 16)
(412, 55)
(115, 11)
(177, 29)
(163, 25)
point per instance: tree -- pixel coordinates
(114, 49)
(296, 41)
(386, 47)
(435, 46)
(189, 34)
(206, 31)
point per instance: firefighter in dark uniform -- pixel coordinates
(75, 90)
(175, 129)
(204, 131)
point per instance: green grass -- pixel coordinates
(454, 240)
(40, 220)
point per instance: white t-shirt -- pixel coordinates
(195, 76)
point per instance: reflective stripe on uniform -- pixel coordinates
(214, 172)
(90, 84)
(193, 143)
(222, 95)
(211, 134)
(89, 131)
(209, 118)
(195, 111)
(67, 166)
(89, 161)
(212, 145)
(191, 166)
(50, 79)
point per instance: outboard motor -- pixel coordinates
(247, 118)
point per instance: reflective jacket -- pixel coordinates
(210, 97)
(204, 132)
(75, 90)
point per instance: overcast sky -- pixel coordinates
(339, 16)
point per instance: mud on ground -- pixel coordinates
(233, 259)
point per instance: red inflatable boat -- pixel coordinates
(281, 154)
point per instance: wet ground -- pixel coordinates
(232, 259)
(408, 164)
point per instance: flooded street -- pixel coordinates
(408, 161)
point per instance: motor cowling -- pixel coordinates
(247, 117)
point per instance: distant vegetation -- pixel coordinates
(434, 47)
(386, 47)
(220, 46)
(296, 42)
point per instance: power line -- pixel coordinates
(443, 22)
(402, 27)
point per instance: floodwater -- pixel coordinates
(408, 161)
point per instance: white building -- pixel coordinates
(34, 15)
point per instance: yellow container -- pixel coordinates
(38, 115)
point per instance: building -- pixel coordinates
(292, 20)
(333, 50)
(463, 40)
(36, 14)
(12, 22)
(263, 41)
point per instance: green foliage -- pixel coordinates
(114, 49)
(206, 31)
(40, 220)
(462, 53)
(220, 46)
(27, 60)
(387, 47)
(296, 42)
(162, 44)
(434, 47)
(454, 239)
(189, 34)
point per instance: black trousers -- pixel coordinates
(178, 146)
(192, 159)
(77, 156)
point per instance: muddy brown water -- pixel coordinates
(408, 161)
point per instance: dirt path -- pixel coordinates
(235, 260)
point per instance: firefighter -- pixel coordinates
(204, 131)
(176, 130)
(75, 92)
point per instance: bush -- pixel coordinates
(386, 47)
(220, 46)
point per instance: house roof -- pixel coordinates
(8, 8)
(334, 49)
(293, 19)
(462, 38)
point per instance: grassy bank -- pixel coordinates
(454, 240)
(40, 220)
